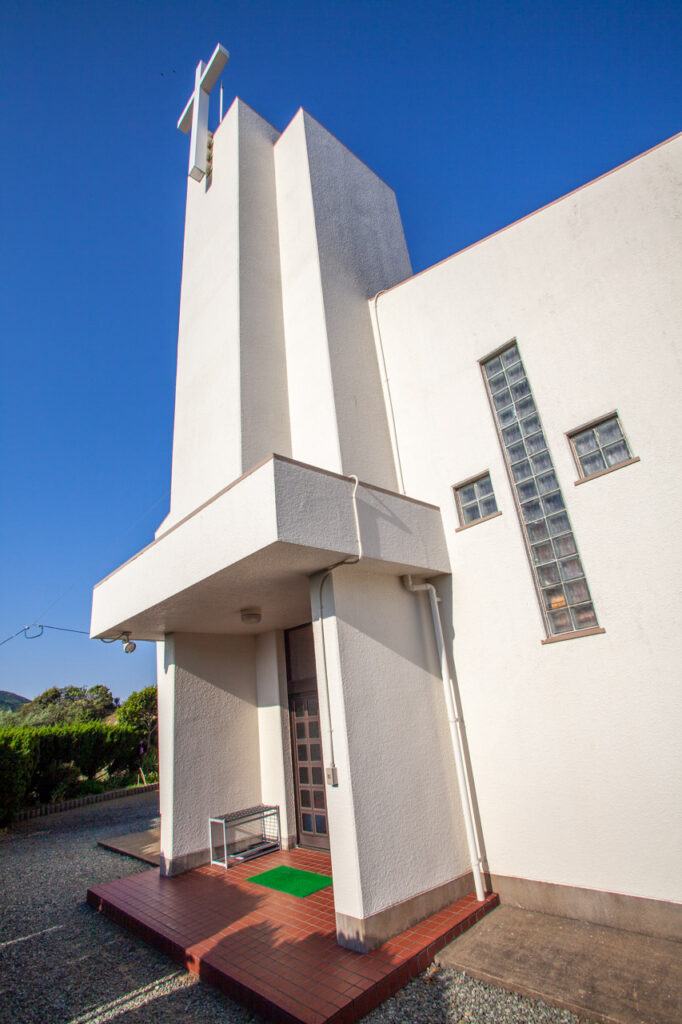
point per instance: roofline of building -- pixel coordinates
(533, 213)
(306, 113)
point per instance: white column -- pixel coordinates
(398, 840)
(341, 241)
(209, 750)
(165, 680)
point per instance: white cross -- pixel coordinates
(195, 114)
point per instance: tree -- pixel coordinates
(48, 697)
(140, 712)
(101, 701)
(71, 704)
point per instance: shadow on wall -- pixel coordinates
(372, 510)
(369, 616)
(401, 623)
(220, 661)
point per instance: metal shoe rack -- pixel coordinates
(242, 835)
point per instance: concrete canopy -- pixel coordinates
(256, 543)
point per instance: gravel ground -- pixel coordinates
(443, 996)
(64, 964)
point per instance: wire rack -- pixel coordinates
(243, 835)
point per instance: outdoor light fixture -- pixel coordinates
(128, 644)
(250, 616)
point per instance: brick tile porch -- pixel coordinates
(275, 953)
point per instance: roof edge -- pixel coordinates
(533, 213)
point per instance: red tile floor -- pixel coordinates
(275, 953)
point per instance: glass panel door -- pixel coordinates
(311, 803)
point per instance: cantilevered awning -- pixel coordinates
(256, 543)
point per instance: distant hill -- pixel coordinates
(11, 701)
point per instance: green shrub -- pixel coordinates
(140, 712)
(59, 756)
(123, 749)
(65, 783)
(90, 744)
(18, 757)
(70, 704)
(150, 766)
(54, 753)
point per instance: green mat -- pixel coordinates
(291, 880)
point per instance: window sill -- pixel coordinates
(603, 472)
(467, 526)
(574, 635)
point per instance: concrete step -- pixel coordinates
(598, 973)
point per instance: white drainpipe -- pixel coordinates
(455, 734)
(453, 720)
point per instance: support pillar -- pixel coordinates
(398, 843)
(209, 761)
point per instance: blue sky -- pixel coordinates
(476, 113)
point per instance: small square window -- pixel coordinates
(475, 500)
(599, 447)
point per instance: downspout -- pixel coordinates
(455, 724)
(454, 721)
(332, 774)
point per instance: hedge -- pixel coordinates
(18, 759)
(37, 760)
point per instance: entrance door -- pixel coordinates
(311, 804)
(311, 800)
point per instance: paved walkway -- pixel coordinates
(273, 952)
(64, 964)
(601, 973)
(144, 846)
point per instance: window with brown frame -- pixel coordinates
(475, 500)
(600, 446)
(558, 574)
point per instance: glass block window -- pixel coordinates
(475, 500)
(564, 596)
(600, 446)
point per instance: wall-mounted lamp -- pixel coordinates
(128, 645)
(250, 616)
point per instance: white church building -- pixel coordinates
(419, 585)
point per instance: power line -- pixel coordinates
(18, 633)
(42, 626)
(62, 629)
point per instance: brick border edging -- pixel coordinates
(82, 801)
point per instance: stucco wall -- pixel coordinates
(575, 745)
(286, 521)
(263, 377)
(341, 241)
(309, 383)
(231, 400)
(208, 711)
(165, 681)
(395, 821)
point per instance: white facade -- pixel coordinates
(293, 381)
(575, 745)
